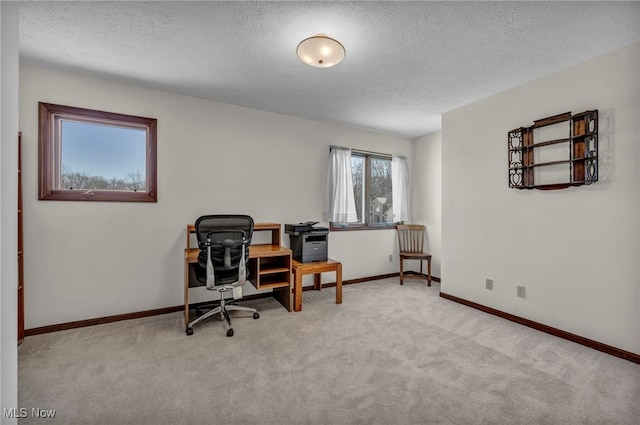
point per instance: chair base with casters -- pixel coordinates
(415, 256)
(223, 309)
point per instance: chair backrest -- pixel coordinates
(228, 235)
(410, 237)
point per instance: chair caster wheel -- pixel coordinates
(230, 332)
(256, 315)
(189, 331)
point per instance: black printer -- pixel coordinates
(308, 243)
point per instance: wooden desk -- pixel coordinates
(269, 266)
(316, 268)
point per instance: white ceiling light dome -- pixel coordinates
(320, 51)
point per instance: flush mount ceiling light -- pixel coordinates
(320, 51)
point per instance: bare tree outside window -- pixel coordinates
(380, 193)
(135, 180)
(357, 176)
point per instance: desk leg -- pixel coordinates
(186, 294)
(297, 289)
(339, 284)
(317, 282)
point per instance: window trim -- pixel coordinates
(343, 227)
(49, 151)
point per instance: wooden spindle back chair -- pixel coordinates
(411, 244)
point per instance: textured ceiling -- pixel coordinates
(406, 62)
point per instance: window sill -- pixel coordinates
(98, 196)
(348, 228)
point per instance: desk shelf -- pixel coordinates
(272, 268)
(271, 271)
(277, 283)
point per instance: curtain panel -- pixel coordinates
(340, 204)
(400, 188)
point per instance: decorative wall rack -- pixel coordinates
(555, 152)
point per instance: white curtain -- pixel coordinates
(340, 205)
(400, 188)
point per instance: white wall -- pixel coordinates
(576, 250)
(87, 260)
(8, 207)
(427, 193)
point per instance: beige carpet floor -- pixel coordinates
(388, 355)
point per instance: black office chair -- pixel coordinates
(222, 262)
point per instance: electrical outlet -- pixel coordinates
(489, 284)
(520, 291)
(390, 257)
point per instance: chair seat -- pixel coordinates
(415, 255)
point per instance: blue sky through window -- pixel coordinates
(103, 150)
